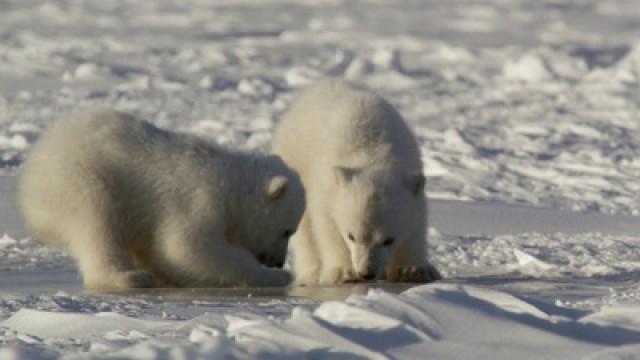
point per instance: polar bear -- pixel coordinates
(362, 172)
(138, 206)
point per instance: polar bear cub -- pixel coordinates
(361, 168)
(138, 206)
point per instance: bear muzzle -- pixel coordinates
(270, 261)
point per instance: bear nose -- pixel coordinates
(274, 262)
(270, 261)
(278, 263)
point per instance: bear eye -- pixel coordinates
(287, 234)
(351, 237)
(388, 241)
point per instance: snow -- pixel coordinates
(469, 81)
(82, 326)
(527, 117)
(437, 321)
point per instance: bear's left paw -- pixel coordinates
(413, 273)
(118, 280)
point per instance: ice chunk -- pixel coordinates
(529, 68)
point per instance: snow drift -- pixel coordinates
(441, 321)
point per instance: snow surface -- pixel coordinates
(524, 110)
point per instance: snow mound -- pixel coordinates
(440, 321)
(72, 325)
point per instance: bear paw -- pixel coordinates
(276, 278)
(120, 280)
(139, 279)
(338, 275)
(308, 277)
(413, 273)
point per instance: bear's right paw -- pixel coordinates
(337, 275)
(413, 273)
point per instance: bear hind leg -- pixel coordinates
(105, 261)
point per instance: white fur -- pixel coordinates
(138, 206)
(361, 169)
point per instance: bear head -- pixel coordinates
(279, 205)
(375, 211)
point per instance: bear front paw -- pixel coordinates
(277, 278)
(413, 273)
(338, 275)
(139, 279)
(120, 281)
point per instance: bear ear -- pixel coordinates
(416, 183)
(276, 187)
(344, 175)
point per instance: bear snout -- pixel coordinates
(273, 262)
(270, 261)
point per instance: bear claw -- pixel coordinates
(414, 273)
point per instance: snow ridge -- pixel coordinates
(440, 321)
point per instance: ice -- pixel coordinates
(530, 263)
(557, 255)
(6, 241)
(524, 111)
(255, 87)
(202, 333)
(87, 71)
(529, 68)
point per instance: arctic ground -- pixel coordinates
(527, 114)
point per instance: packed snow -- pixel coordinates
(431, 321)
(527, 117)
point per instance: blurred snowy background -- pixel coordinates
(532, 102)
(535, 103)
